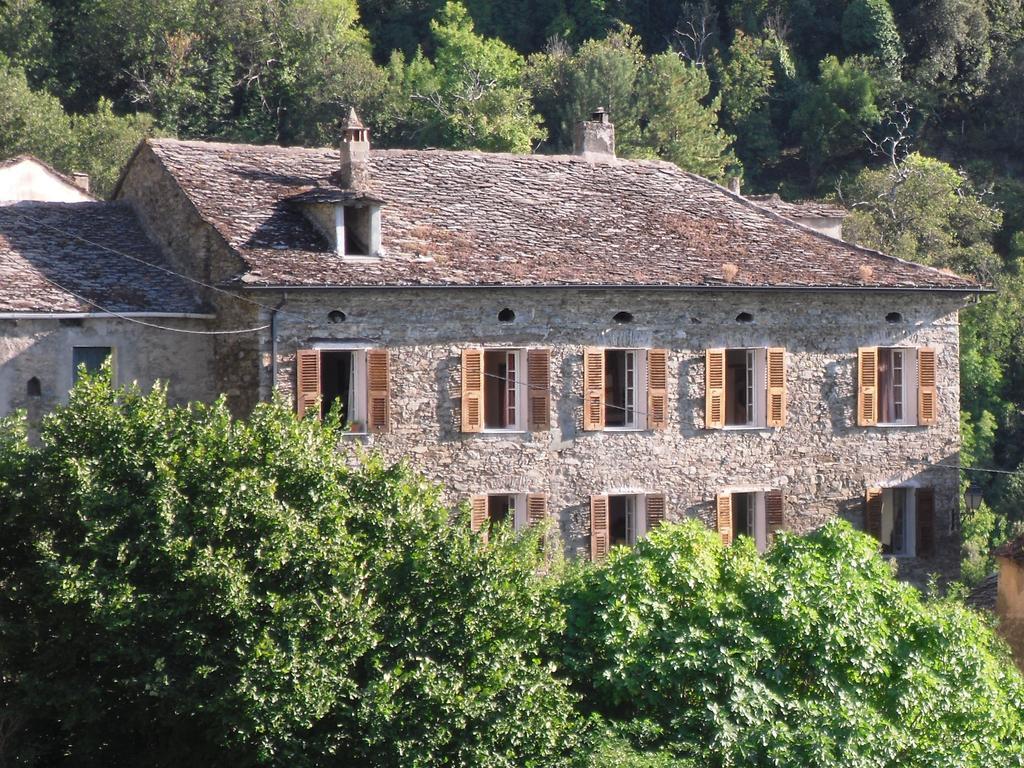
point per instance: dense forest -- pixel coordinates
(908, 112)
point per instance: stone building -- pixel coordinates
(609, 343)
(1003, 594)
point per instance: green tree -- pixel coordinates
(869, 28)
(470, 96)
(25, 37)
(102, 143)
(747, 79)
(31, 122)
(811, 655)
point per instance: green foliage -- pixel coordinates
(869, 28)
(469, 96)
(983, 530)
(813, 655)
(182, 588)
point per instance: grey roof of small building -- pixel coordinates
(51, 251)
(1013, 549)
(800, 209)
(474, 219)
(983, 596)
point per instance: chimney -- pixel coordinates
(355, 153)
(81, 180)
(595, 138)
(734, 185)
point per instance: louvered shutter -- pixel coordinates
(873, 513)
(723, 517)
(477, 512)
(378, 391)
(714, 389)
(538, 374)
(472, 390)
(925, 513)
(774, 514)
(536, 508)
(307, 380)
(867, 386)
(776, 370)
(655, 504)
(927, 402)
(593, 389)
(657, 388)
(598, 527)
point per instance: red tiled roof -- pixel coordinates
(474, 219)
(44, 245)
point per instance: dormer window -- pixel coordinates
(357, 230)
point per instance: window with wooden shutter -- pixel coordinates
(598, 527)
(378, 391)
(714, 392)
(927, 403)
(655, 504)
(774, 513)
(776, 375)
(538, 375)
(723, 517)
(593, 389)
(657, 388)
(873, 513)
(867, 386)
(925, 513)
(307, 380)
(536, 508)
(478, 513)
(472, 390)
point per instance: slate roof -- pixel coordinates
(474, 219)
(67, 243)
(799, 209)
(983, 596)
(1011, 549)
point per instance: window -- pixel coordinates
(487, 511)
(745, 387)
(505, 390)
(621, 519)
(354, 379)
(625, 389)
(902, 519)
(92, 358)
(357, 230)
(896, 386)
(757, 514)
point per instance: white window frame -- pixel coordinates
(373, 239)
(636, 516)
(756, 383)
(909, 519)
(759, 519)
(638, 391)
(519, 508)
(521, 385)
(908, 387)
(358, 393)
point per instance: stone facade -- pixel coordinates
(820, 459)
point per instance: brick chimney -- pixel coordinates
(355, 153)
(595, 138)
(81, 180)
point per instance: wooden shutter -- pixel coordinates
(873, 513)
(477, 512)
(714, 390)
(472, 390)
(867, 386)
(378, 391)
(593, 389)
(925, 513)
(307, 380)
(655, 504)
(657, 388)
(723, 517)
(536, 508)
(538, 379)
(776, 370)
(774, 515)
(926, 399)
(598, 527)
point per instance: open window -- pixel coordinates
(757, 514)
(357, 229)
(91, 358)
(487, 511)
(896, 386)
(505, 390)
(745, 387)
(624, 389)
(621, 519)
(355, 380)
(902, 519)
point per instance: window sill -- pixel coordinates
(746, 428)
(624, 429)
(895, 426)
(500, 432)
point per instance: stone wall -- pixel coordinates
(821, 459)
(42, 348)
